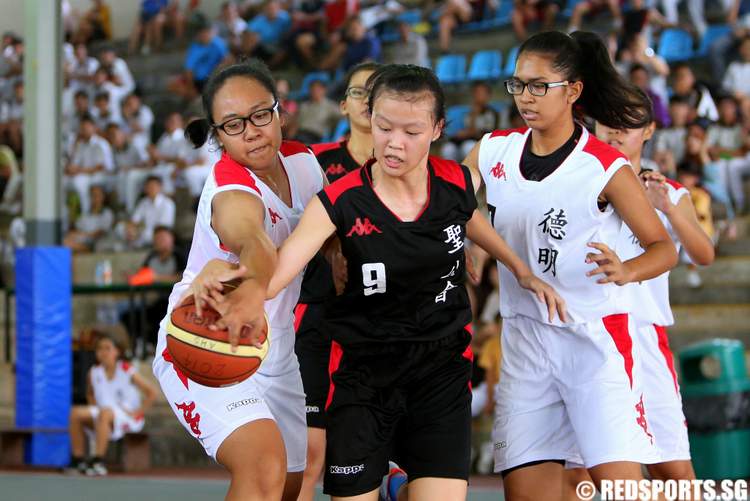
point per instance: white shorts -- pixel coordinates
(661, 394)
(123, 423)
(212, 414)
(568, 389)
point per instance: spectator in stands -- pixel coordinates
(737, 77)
(103, 113)
(102, 83)
(81, 107)
(148, 26)
(733, 10)
(641, 78)
(10, 182)
(95, 24)
(81, 71)
(412, 47)
(526, 12)
(171, 152)
(722, 47)
(698, 96)
(289, 106)
(482, 118)
(636, 50)
(91, 162)
(725, 138)
(266, 32)
(669, 148)
(94, 225)
(154, 209)
(131, 164)
(592, 7)
(457, 12)
(204, 55)
(137, 120)
(229, 26)
(11, 120)
(317, 116)
(361, 45)
(118, 69)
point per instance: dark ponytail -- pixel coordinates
(606, 97)
(200, 130)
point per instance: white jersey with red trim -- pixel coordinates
(549, 223)
(649, 300)
(118, 392)
(305, 181)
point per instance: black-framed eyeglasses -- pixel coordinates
(357, 92)
(259, 118)
(515, 87)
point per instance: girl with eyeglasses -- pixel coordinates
(559, 197)
(313, 345)
(250, 203)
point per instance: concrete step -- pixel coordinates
(712, 320)
(739, 247)
(726, 281)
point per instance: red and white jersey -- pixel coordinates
(118, 392)
(649, 300)
(305, 181)
(549, 222)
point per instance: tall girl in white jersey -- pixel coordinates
(250, 203)
(649, 300)
(558, 196)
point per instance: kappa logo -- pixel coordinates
(501, 445)
(275, 217)
(242, 403)
(335, 170)
(641, 419)
(192, 420)
(361, 228)
(498, 171)
(312, 409)
(346, 470)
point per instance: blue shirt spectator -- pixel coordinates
(362, 46)
(205, 54)
(271, 25)
(150, 8)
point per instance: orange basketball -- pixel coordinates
(205, 356)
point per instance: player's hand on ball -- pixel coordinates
(609, 264)
(210, 279)
(546, 294)
(242, 313)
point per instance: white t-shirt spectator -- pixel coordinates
(737, 78)
(130, 156)
(79, 69)
(90, 223)
(728, 138)
(153, 213)
(11, 110)
(125, 77)
(93, 152)
(174, 145)
(139, 126)
(103, 119)
(672, 139)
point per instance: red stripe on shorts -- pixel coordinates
(333, 365)
(299, 312)
(180, 374)
(617, 326)
(468, 353)
(661, 332)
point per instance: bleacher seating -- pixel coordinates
(486, 65)
(341, 128)
(675, 45)
(510, 62)
(712, 34)
(454, 119)
(304, 90)
(451, 68)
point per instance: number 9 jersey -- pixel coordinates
(406, 278)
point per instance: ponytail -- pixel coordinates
(197, 131)
(606, 97)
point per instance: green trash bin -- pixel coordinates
(716, 401)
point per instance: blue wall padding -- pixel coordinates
(43, 350)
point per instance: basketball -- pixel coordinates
(205, 356)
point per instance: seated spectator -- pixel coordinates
(723, 47)
(118, 69)
(266, 31)
(172, 151)
(204, 55)
(361, 45)
(229, 26)
(481, 119)
(81, 71)
(307, 33)
(737, 78)
(131, 164)
(457, 12)
(689, 175)
(593, 7)
(154, 209)
(95, 24)
(197, 167)
(669, 149)
(412, 47)
(11, 120)
(137, 120)
(526, 12)
(103, 113)
(640, 77)
(317, 116)
(71, 123)
(102, 83)
(725, 137)
(90, 163)
(635, 50)
(697, 94)
(148, 26)
(10, 182)
(94, 225)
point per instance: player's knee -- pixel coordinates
(268, 475)
(672, 470)
(106, 414)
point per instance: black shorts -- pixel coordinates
(409, 402)
(313, 349)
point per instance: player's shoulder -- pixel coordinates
(326, 149)
(291, 148)
(508, 133)
(450, 171)
(346, 185)
(605, 155)
(228, 172)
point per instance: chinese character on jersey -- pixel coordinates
(453, 270)
(455, 239)
(440, 298)
(553, 224)
(548, 258)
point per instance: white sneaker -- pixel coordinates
(693, 279)
(78, 468)
(393, 469)
(97, 469)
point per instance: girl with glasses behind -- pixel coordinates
(559, 197)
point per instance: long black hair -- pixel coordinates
(199, 130)
(406, 79)
(582, 56)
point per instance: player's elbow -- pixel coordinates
(704, 256)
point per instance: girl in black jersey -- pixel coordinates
(400, 363)
(313, 342)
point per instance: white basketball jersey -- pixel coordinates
(118, 391)
(305, 181)
(649, 300)
(549, 222)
